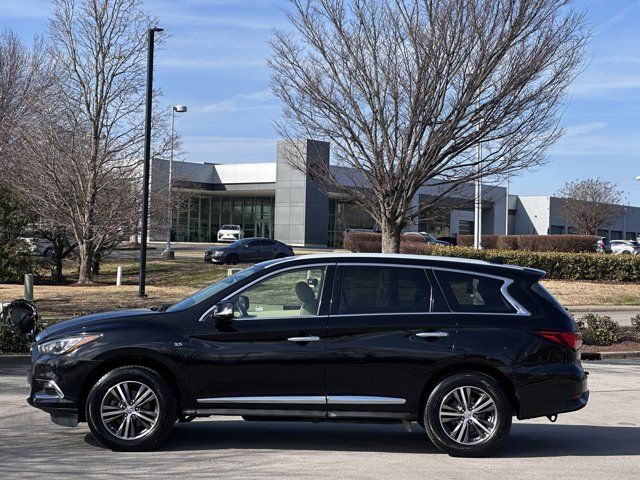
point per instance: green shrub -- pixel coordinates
(534, 243)
(635, 322)
(11, 340)
(558, 265)
(598, 329)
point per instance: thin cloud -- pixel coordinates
(216, 149)
(243, 102)
(584, 128)
(210, 63)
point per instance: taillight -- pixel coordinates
(568, 339)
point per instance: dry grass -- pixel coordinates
(577, 293)
(169, 281)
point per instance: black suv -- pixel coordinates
(458, 346)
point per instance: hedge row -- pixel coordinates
(534, 243)
(558, 265)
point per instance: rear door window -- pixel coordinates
(467, 292)
(373, 289)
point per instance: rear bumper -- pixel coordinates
(563, 390)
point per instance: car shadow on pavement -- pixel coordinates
(525, 440)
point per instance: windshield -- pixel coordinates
(207, 292)
(230, 227)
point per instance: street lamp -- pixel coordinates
(477, 210)
(168, 253)
(147, 160)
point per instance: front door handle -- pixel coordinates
(436, 334)
(303, 339)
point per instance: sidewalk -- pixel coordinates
(619, 313)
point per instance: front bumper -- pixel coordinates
(56, 385)
(210, 258)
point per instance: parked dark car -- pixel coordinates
(254, 249)
(428, 238)
(458, 346)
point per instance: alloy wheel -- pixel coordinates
(130, 410)
(468, 415)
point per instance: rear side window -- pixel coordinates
(370, 289)
(471, 293)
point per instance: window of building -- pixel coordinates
(556, 230)
(631, 236)
(465, 227)
(603, 233)
(198, 218)
(345, 215)
(572, 230)
(369, 289)
(615, 235)
(471, 293)
(289, 294)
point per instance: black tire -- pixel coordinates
(499, 417)
(149, 438)
(233, 259)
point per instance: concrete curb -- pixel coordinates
(609, 355)
(604, 308)
(14, 359)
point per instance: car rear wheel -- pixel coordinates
(468, 415)
(233, 259)
(131, 409)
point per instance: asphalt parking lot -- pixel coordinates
(601, 442)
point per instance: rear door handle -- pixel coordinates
(436, 334)
(303, 339)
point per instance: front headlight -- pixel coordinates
(66, 344)
(217, 253)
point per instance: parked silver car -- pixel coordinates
(626, 247)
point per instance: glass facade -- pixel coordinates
(437, 223)
(199, 217)
(342, 215)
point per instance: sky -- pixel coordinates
(214, 61)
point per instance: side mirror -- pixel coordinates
(223, 311)
(246, 246)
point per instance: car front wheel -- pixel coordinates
(468, 415)
(131, 409)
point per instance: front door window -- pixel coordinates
(290, 294)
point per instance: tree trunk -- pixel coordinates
(85, 259)
(56, 269)
(95, 268)
(390, 237)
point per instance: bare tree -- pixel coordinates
(25, 78)
(589, 204)
(406, 90)
(87, 151)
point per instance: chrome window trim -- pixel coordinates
(506, 283)
(264, 277)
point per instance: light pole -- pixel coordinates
(506, 215)
(168, 253)
(477, 210)
(147, 160)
